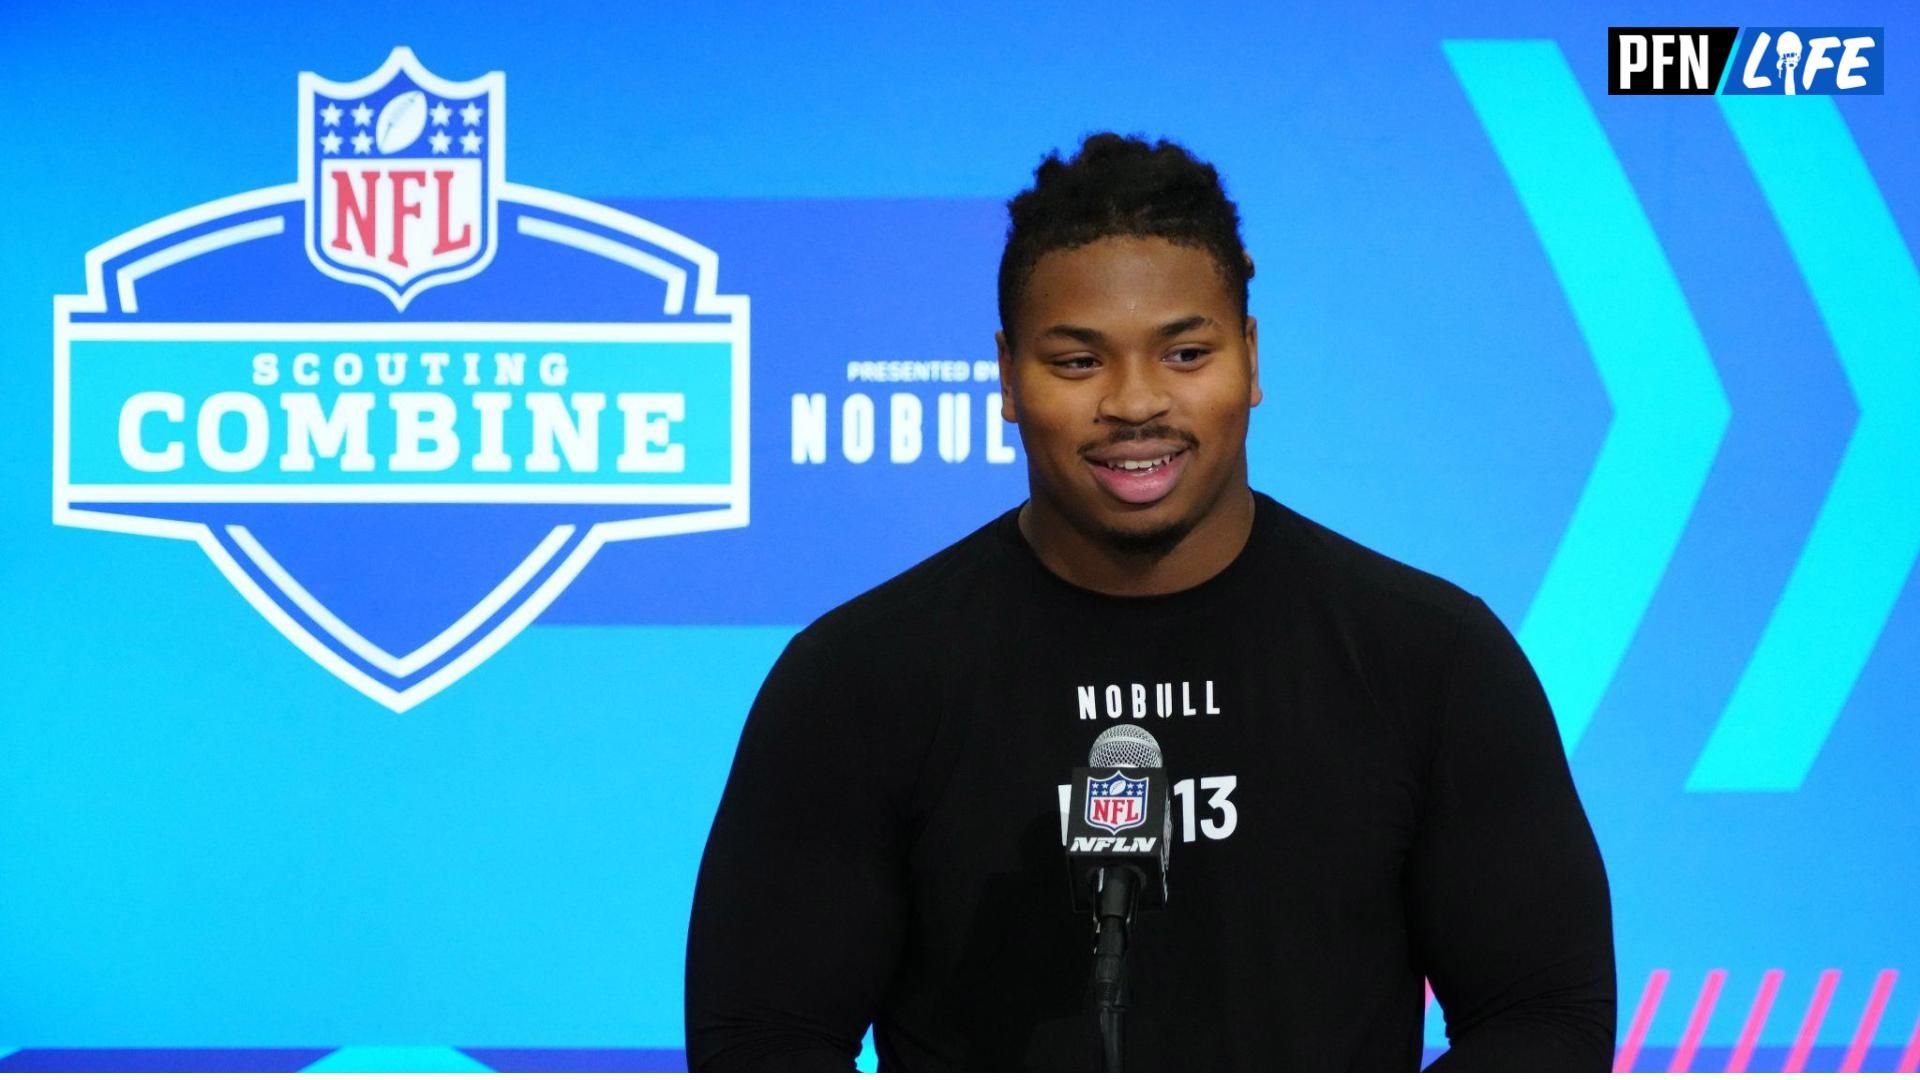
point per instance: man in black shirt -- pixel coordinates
(1367, 784)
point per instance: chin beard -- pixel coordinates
(1155, 543)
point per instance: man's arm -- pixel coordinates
(1507, 894)
(800, 906)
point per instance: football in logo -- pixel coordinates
(401, 122)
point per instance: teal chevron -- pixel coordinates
(396, 1059)
(1669, 411)
(1865, 538)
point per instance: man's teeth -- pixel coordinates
(1137, 466)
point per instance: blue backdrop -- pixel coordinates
(1641, 371)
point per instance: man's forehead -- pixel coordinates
(1143, 284)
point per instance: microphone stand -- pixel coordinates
(1116, 888)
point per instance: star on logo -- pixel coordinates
(440, 140)
(330, 143)
(362, 143)
(470, 142)
(470, 115)
(330, 115)
(442, 115)
(362, 116)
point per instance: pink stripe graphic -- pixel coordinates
(1642, 1019)
(1810, 1024)
(1697, 1023)
(1910, 1061)
(1869, 1021)
(1756, 1020)
(1429, 1003)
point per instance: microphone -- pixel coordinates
(1788, 51)
(1118, 834)
(1118, 821)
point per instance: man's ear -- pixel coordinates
(1253, 359)
(1005, 356)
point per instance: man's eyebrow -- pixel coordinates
(1181, 326)
(1086, 335)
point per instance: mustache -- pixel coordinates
(1143, 433)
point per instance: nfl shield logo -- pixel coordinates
(402, 171)
(1116, 802)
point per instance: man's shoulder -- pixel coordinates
(1341, 571)
(924, 597)
(1406, 631)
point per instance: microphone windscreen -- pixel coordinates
(1125, 745)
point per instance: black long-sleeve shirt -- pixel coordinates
(1368, 788)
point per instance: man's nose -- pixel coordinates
(1135, 394)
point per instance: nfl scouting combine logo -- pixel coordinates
(401, 402)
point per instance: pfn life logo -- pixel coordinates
(1784, 60)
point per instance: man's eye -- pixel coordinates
(1188, 356)
(1076, 363)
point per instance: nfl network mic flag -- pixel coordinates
(1117, 815)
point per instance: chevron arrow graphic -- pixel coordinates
(1669, 411)
(1867, 534)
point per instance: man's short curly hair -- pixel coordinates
(1119, 185)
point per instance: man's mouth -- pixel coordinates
(1138, 466)
(1138, 476)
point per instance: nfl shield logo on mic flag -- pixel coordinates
(1116, 802)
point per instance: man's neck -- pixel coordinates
(1093, 563)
